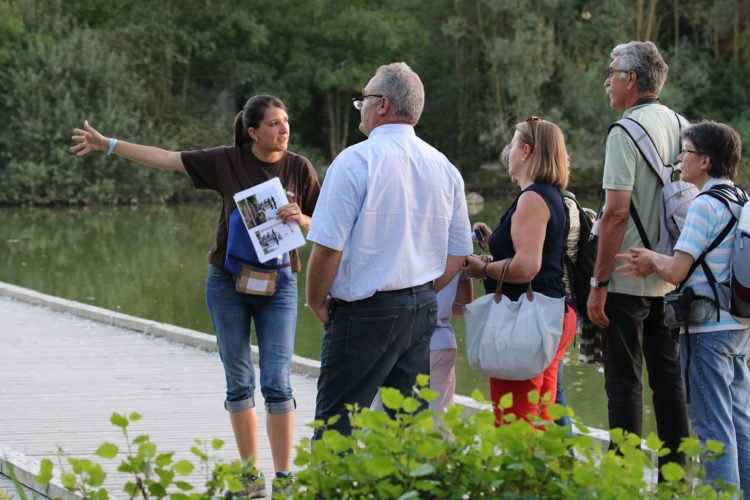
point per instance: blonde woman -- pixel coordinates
(532, 233)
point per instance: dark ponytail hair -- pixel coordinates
(251, 116)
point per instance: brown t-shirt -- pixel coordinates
(231, 169)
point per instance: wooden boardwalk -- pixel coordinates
(65, 367)
(62, 376)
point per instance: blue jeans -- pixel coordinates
(720, 400)
(275, 319)
(380, 341)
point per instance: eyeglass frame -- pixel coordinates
(359, 102)
(694, 151)
(611, 72)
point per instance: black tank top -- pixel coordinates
(549, 279)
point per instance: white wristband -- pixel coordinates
(112, 144)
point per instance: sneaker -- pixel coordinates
(282, 486)
(255, 487)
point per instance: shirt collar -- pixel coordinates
(714, 181)
(393, 128)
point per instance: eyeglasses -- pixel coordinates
(612, 71)
(359, 102)
(695, 152)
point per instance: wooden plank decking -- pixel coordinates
(62, 376)
(65, 367)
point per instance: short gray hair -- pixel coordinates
(404, 88)
(643, 58)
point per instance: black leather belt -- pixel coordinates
(403, 291)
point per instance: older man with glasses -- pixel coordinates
(391, 209)
(632, 312)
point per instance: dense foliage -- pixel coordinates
(405, 457)
(173, 73)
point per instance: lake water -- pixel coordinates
(150, 261)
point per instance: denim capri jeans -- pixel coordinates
(275, 320)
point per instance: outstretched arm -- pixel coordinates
(89, 139)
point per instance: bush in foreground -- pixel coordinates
(405, 456)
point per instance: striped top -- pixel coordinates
(705, 220)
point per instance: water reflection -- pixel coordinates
(151, 262)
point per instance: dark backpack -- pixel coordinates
(580, 272)
(676, 194)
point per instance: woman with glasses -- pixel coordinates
(259, 154)
(715, 348)
(532, 235)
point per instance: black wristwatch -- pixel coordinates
(595, 283)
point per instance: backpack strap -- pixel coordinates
(646, 147)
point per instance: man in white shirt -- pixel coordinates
(390, 210)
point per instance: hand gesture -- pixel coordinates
(88, 139)
(640, 263)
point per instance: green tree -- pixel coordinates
(63, 75)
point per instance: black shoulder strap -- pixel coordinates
(701, 260)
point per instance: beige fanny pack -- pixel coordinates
(256, 281)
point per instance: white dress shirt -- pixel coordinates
(395, 206)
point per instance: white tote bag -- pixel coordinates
(513, 340)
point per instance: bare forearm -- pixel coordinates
(522, 269)
(452, 265)
(304, 223)
(611, 233)
(150, 156)
(321, 272)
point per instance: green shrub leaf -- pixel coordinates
(672, 472)
(183, 467)
(119, 420)
(423, 470)
(45, 471)
(392, 398)
(430, 449)
(107, 450)
(68, 480)
(183, 486)
(96, 475)
(380, 466)
(506, 401)
(411, 405)
(653, 442)
(714, 446)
